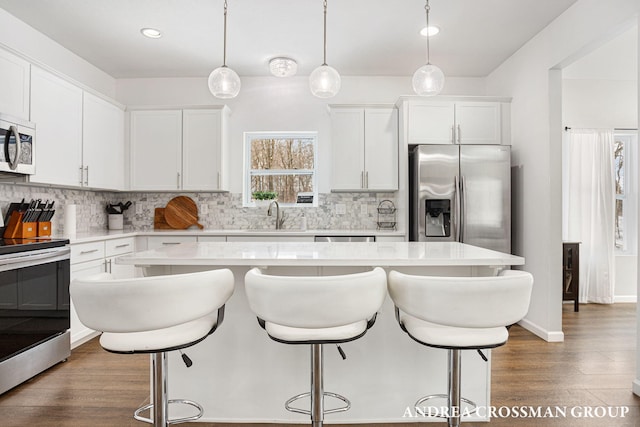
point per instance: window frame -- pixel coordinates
(629, 196)
(248, 172)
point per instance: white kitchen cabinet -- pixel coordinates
(156, 149)
(116, 248)
(212, 238)
(276, 238)
(88, 259)
(79, 332)
(102, 144)
(14, 93)
(56, 108)
(451, 122)
(364, 143)
(204, 152)
(155, 242)
(179, 150)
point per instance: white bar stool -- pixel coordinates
(316, 310)
(154, 315)
(459, 313)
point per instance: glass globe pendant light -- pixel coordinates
(324, 81)
(428, 80)
(223, 81)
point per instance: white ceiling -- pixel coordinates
(365, 37)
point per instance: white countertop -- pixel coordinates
(103, 234)
(263, 254)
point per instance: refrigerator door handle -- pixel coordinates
(458, 211)
(462, 209)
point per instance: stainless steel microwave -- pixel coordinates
(17, 146)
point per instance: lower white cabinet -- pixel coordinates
(155, 242)
(88, 259)
(212, 238)
(278, 238)
(79, 332)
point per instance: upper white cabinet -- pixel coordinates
(179, 150)
(456, 122)
(364, 143)
(14, 93)
(156, 149)
(79, 137)
(204, 154)
(56, 108)
(102, 144)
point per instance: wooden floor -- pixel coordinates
(594, 367)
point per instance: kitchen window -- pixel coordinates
(625, 156)
(281, 162)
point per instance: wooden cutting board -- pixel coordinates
(159, 222)
(181, 213)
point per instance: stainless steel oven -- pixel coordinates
(34, 308)
(17, 146)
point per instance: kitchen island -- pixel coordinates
(240, 375)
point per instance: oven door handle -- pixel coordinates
(48, 256)
(15, 161)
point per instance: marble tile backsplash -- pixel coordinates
(221, 211)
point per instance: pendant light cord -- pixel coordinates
(224, 46)
(325, 33)
(426, 9)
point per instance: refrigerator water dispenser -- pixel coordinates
(438, 217)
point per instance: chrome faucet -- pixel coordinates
(279, 216)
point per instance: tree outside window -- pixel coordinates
(625, 152)
(282, 163)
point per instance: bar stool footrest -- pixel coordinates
(446, 397)
(290, 408)
(196, 405)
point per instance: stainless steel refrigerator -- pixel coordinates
(461, 193)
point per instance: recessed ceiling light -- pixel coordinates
(283, 67)
(152, 33)
(431, 30)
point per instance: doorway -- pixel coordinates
(599, 91)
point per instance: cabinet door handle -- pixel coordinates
(88, 252)
(459, 133)
(170, 243)
(81, 176)
(178, 181)
(453, 134)
(218, 180)
(123, 245)
(366, 179)
(361, 179)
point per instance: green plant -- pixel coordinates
(264, 195)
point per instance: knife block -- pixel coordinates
(16, 229)
(44, 228)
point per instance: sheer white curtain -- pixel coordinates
(589, 209)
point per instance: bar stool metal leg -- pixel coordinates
(160, 401)
(160, 405)
(317, 392)
(317, 389)
(454, 387)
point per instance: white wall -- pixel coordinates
(599, 103)
(20, 38)
(271, 103)
(529, 77)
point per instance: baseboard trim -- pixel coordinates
(549, 336)
(625, 298)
